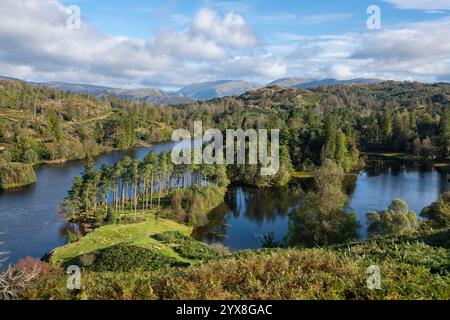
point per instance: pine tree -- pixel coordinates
(444, 135)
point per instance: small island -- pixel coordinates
(16, 175)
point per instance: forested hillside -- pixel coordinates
(135, 216)
(333, 122)
(38, 124)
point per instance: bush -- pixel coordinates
(30, 278)
(111, 216)
(125, 258)
(195, 250)
(397, 219)
(5, 158)
(438, 213)
(188, 247)
(170, 237)
(29, 156)
(414, 267)
(16, 175)
(73, 236)
(220, 249)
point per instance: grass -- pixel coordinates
(139, 235)
(16, 175)
(301, 175)
(406, 157)
(415, 267)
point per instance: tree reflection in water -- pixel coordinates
(259, 211)
(309, 227)
(288, 213)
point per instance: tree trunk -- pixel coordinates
(151, 193)
(159, 192)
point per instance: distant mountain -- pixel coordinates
(77, 87)
(313, 84)
(197, 91)
(188, 94)
(8, 78)
(328, 82)
(217, 89)
(289, 82)
(150, 95)
(144, 94)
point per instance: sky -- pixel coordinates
(169, 44)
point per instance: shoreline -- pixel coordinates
(406, 157)
(56, 162)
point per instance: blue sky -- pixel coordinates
(171, 43)
(142, 18)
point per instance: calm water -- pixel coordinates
(29, 221)
(248, 213)
(31, 225)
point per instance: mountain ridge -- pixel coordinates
(193, 92)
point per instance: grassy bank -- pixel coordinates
(403, 156)
(16, 175)
(139, 235)
(413, 267)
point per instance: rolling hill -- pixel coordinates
(193, 92)
(217, 89)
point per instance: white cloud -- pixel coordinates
(231, 29)
(421, 51)
(35, 44)
(421, 4)
(34, 38)
(267, 67)
(186, 45)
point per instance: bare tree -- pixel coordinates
(13, 280)
(3, 254)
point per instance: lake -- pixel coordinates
(30, 224)
(248, 213)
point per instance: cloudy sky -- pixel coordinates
(172, 43)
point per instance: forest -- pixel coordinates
(130, 186)
(144, 211)
(45, 124)
(40, 124)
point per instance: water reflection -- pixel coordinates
(248, 214)
(29, 216)
(33, 226)
(309, 227)
(382, 182)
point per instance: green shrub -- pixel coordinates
(438, 213)
(397, 219)
(15, 175)
(125, 258)
(30, 156)
(111, 216)
(195, 250)
(413, 267)
(188, 247)
(170, 237)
